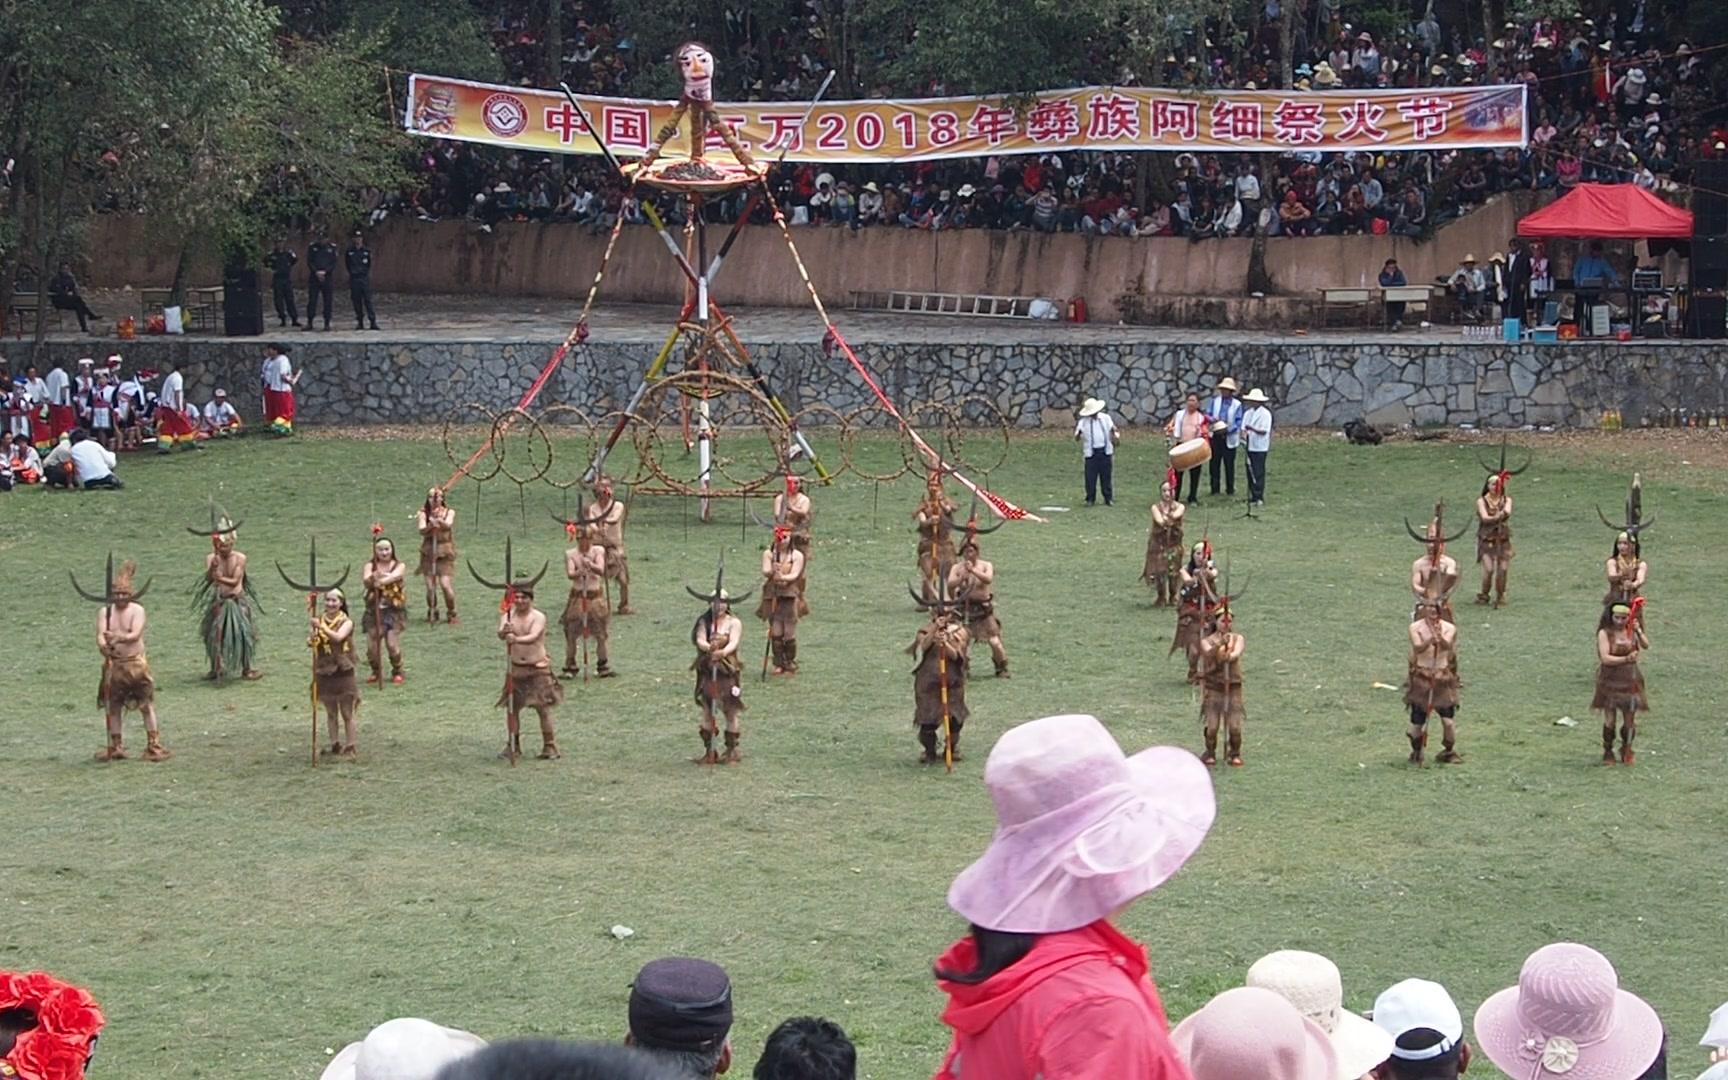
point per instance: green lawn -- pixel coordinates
(238, 912)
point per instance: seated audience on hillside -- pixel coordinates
(78, 461)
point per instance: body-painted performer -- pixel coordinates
(1433, 682)
(935, 535)
(531, 684)
(696, 65)
(782, 598)
(939, 681)
(1164, 544)
(1494, 529)
(386, 580)
(1221, 683)
(1435, 574)
(586, 612)
(794, 508)
(1626, 569)
(126, 679)
(227, 603)
(972, 584)
(1620, 638)
(436, 523)
(609, 518)
(332, 643)
(717, 634)
(1199, 590)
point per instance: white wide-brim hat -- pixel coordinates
(1082, 829)
(1311, 982)
(403, 1049)
(1256, 395)
(1227, 383)
(1091, 407)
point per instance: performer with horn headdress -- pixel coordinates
(609, 517)
(586, 612)
(1435, 574)
(1164, 545)
(225, 600)
(794, 508)
(436, 523)
(386, 580)
(939, 680)
(1493, 531)
(1626, 569)
(1221, 679)
(126, 680)
(935, 539)
(1199, 581)
(528, 680)
(1433, 681)
(332, 643)
(717, 634)
(1620, 638)
(972, 585)
(782, 601)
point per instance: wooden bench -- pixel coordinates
(24, 306)
(1415, 296)
(1354, 301)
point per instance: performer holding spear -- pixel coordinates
(528, 677)
(587, 612)
(312, 587)
(939, 680)
(716, 635)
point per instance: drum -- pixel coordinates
(1187, 455)
(1219, 426)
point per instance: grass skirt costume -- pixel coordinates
(717, 680)
(531, 687)
(228, 626)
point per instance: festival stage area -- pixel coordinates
(245, 911)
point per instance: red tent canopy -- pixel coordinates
(1618, 211)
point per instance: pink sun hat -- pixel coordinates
(1251, 1033)
(1568, 1017)
(1082, 830)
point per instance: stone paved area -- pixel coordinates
(425, 319)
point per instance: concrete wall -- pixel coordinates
(560, 260)
(1311, 381)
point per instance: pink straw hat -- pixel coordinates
(1251, 1033)
(1081, 829)
(1568, 1017)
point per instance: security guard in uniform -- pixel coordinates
(281, 262)
(321, 278)
(359, 260)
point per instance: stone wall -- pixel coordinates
(1311, 381)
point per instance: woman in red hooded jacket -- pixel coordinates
(1045, 986)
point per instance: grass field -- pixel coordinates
(238, 912)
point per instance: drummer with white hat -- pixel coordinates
(1097, 435)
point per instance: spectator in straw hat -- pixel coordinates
(1568, 1017)
(1427, 1032)
(1097, 435)
(1044, 984)
(1250, 1033)
(1257, 430)
(404, 1049)
(1311, 982)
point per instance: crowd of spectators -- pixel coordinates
(1044, 984)
(1616, 103)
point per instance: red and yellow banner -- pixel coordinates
(1091, 118)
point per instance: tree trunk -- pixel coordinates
(1490, 31)
(1259, 278)
(177, 288)
(1286, 44)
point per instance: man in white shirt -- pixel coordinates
(1257, 426)
(1224, 406)
(220, 418)
(173, 425)
(1097, 435)
(279, 378)
(92, 464)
